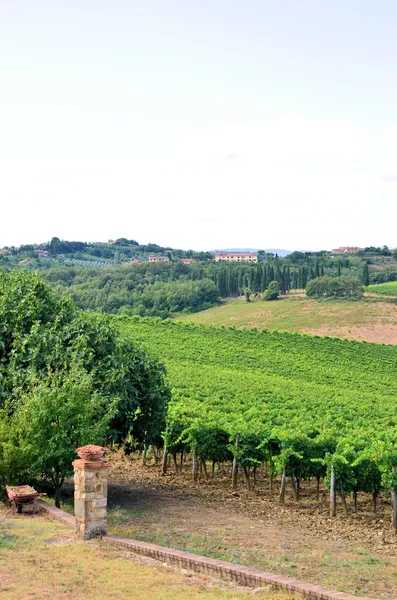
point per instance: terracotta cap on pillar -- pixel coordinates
(91, 452)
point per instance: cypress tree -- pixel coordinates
(235, 285)
(288, 279)
(223, 283)
(252, 279)
(304, 278)
(284, 283)
(264, 278)
(365, 277)
(279, 276)
(241, 281)
(258, 280)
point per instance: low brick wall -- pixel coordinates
(57, 513)
(208, 566)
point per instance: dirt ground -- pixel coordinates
(355, 553)
(379, 333)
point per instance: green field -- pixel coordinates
(363, 320)
(273, 375)
(387, 289)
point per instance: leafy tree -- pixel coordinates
(56, 416)
(42, 339)
(272, 292)
(335, 287)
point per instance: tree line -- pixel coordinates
(154, 289)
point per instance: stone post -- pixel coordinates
(90, 492)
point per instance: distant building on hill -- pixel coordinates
(346, 250)
(236, 257)
(188, 261)
(158, 259)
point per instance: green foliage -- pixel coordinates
(57, 415)
(272, 292)
(43, 339)
(148, 289)
(335, 287)
(376, 250)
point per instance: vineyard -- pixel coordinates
(302, 406)
(388, 289)
(87, 264)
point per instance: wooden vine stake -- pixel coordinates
(393, 495)
(283, 485)
(165, 457)
(235, 468)
(332, 494)
(195, 464)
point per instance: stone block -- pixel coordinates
(90, 498)
(99, 502)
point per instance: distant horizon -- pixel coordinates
(236, 248)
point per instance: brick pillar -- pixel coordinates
(90, 493)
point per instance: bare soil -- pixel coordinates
(355, 553)
(379, 333)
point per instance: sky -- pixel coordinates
(211, 124)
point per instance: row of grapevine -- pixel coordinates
(388, 289)
(303, 405)
(88, 264)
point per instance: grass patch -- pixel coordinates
(352, 319)
(43, 560)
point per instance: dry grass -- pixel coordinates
(41, 559)
(362, 320)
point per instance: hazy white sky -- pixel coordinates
(199, 125)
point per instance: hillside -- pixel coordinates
(127, 278)
(337, 364)
(225, 373)
(280, 398)
(360, 320)
(91, 255)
